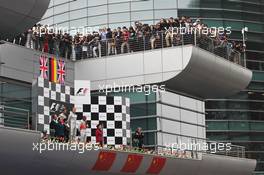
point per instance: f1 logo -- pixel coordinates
(82, 92)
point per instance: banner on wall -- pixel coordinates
(82, 92)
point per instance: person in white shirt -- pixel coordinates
(72, 122)
(83, 127)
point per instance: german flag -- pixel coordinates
(104, 161)
(53, 70)
(132, 163)
(156, 165)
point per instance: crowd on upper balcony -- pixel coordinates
(124, 39)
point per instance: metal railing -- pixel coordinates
(235, 151)
(103, 48)
(180, 146)
(97, 48)
(14, 117)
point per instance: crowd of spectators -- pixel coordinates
(139, 37)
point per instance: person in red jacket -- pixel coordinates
(125, 37)
(99, 135)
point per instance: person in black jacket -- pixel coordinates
(138, 138)
(53, 125)
(60, 130)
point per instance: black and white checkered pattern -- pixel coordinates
(47, 92)
(113, 113)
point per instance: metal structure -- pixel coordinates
(19, 16)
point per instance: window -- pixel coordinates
(188, 4)
(122, 7)
(239, 126)
(258, 76)
(96, 2)
(210, 4)
(239, 136)
(119, 17)
(146, 124)
(165, 14)
(117, 1)
(143, 109)
(252, 7)
(61, 18)
(217, 136)
(78, 4)
(234, 24)
(257, 126)
(165, 4)
(137, 97)
(211, 13)
(141, 5)
(191, 13)
(142, 15)
(255, 27)
(78, 14)
(93, 11)
(16, 100)
(97, 20)
(227, 4)
(79, 23)
(61, 8)
(232, 14)
(219, 125)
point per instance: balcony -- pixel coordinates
(193, 66)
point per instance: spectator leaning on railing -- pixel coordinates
(135, 38)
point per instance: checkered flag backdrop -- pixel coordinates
(113, 113)
(49, 95)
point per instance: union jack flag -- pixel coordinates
(61, 71)
(43, 66)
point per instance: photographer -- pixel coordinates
(138, 138)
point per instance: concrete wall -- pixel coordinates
(17, 157)
(179, 116)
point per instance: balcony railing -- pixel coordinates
(192, 148)
(14, 117)
(103, 48)
(97, 48)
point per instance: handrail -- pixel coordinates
(14, 117)
(97, 48)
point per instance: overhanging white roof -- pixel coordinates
(186, 69)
